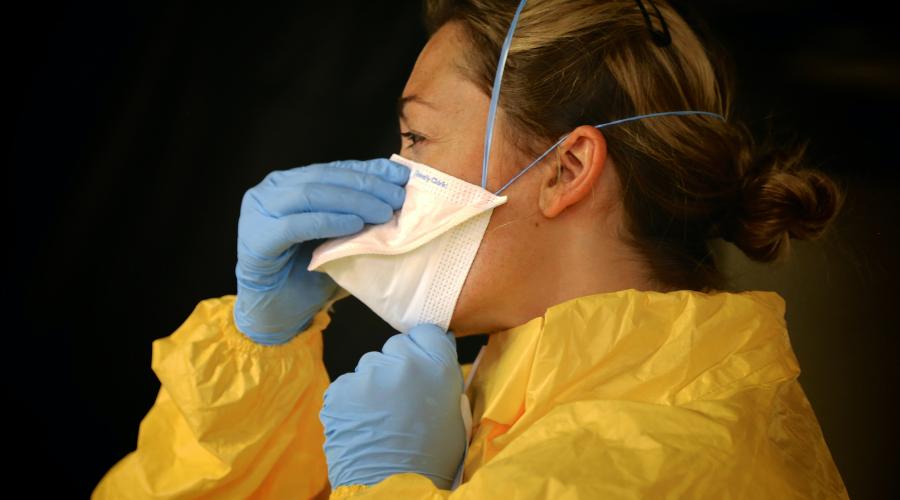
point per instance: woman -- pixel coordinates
(615, 367)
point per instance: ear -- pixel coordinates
(582, 157)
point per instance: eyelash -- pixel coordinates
(412, 137)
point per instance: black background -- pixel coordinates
(137, 128)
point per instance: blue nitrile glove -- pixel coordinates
(280, 219)
(399, 411)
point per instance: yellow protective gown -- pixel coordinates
(619, 395)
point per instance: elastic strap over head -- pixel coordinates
(495, 93)
(602, 125)
(495, 98)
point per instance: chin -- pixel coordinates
(460, 327)
(465, 321)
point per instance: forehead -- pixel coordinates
(438, 74)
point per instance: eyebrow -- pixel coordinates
(404, 100)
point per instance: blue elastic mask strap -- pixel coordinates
(495, 94)
(602, 125)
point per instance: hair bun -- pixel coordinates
(780, 201)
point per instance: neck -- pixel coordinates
(579, 259)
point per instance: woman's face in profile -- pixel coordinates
(442, 123)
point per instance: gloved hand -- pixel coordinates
(280, 220)
(399, 411)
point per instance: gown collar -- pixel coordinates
(665, 348)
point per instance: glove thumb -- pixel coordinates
(435, 342)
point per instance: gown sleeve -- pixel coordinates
(762, 443)
(232, 419)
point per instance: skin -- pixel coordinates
(558, 237)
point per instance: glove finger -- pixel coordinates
(390, 192)
(311, 198)
(382, 167)
(298, 228)
(388, 170)
(435, 342)
(335, 389)
(399, 345)
(371, 360)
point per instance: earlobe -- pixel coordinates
(581, 159)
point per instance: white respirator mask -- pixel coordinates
(411, 269)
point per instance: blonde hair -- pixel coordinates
(685, 180)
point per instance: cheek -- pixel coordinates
(489, 267)
(499, 265)
(485, 283)
(504, 255)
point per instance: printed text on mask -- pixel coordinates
(428, 178)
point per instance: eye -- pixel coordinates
(412, 137)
